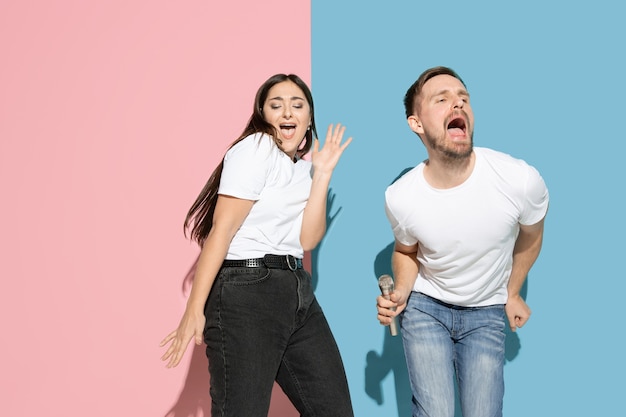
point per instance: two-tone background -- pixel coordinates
(113, 114)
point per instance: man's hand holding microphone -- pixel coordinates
(390, 303)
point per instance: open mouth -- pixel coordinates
(457, 126)
(287, 130)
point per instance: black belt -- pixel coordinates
(268, 261)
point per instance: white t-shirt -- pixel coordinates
(466, 234)
(256, 169)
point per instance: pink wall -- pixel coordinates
(112, 115)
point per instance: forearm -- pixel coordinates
(314, 217)
(525, 253)
(210, 260)
(405, 268)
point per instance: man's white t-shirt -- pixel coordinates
(466, 234)
(257, 169)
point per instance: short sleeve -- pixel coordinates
(536, 198)
(398, 231)
(245, 167)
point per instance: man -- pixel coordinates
(468, 226)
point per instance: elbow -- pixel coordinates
(310, 237)
(309, 244)
(309, 241)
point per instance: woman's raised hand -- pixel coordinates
(324, 160)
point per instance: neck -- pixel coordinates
(446, 172)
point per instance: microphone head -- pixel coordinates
(386, 282)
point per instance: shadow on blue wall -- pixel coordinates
(391, 359)
(315, 253)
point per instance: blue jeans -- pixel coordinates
(265, 325)
(443, 341)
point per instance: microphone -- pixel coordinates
(385, 282)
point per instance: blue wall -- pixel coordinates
(547, 85)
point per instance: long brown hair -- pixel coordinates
(199, 220)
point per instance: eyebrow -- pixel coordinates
(460, 91)
(291, 98)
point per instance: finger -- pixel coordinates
(380, 302)
(385, 302)
(170, 350)
(339, 130)
(168, 354)
(180, 346)
(316, 146)
(385, 312)
(174, 359)
(511, 319)
(346, 143)
(334, 133)
(329, 132)
(168, 338)
(384, 320)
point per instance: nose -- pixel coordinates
(287, 112)
(458, 103)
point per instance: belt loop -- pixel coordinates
(295, 262)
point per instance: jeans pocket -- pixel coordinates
(247, 276)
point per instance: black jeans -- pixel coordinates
(265, 325)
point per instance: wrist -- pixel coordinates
(513, 294)
(195, 307)
(322, 176)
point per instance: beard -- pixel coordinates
(451, 152)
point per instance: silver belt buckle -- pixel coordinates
(295, 262)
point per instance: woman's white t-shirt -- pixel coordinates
(257, 169)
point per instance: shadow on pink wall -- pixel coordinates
(194, 399)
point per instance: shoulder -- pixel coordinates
(403, 191)
(406, 180)
(496, 156)
(255, 146)
(304, 165)
(516, 175)
(504, 163)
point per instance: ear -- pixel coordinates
(415, 124)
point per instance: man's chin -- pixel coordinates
(458, 151)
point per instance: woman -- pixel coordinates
(251, 300)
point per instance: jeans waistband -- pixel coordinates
(268, 261)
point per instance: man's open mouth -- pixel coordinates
(457, 126)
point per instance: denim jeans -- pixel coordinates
(443, 341)
(265, 325)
